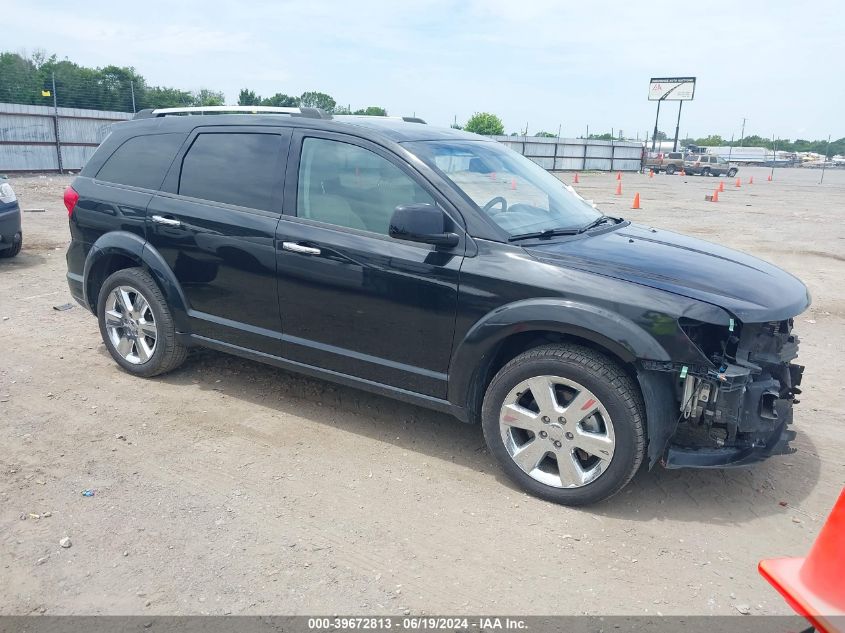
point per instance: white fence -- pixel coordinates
(34, 138)
(577, 154)
(37, 138)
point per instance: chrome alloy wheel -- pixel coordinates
(557, 431)
(130, 324)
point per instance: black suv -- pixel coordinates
(443, 269)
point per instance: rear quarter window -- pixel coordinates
(142, 161)
(232, 168)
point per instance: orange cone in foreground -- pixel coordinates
(619, 189)
(721, 185)
(636, 204)
(813, 586)
(751, 180)
(576, 181)
(618, 175)
(683, 173)
(738, 183)
(651, 173)
(716, 196)
(769, 178)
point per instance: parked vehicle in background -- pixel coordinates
(11, 236)
(669, 162)
(439, 268)
(708, 165)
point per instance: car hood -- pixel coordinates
(752, 290)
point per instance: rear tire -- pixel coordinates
(580, 439)
(705, 171)
(136, 324)
(731, 173)
(670, 170)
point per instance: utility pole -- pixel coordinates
(730, 148)
(826, 152)
(742, 133)
(56, 126)
(132, 90)
(774, 156)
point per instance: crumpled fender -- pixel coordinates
(610, 330)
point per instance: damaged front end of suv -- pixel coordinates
(736, 409)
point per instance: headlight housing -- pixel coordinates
(7, 194)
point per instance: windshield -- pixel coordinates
(516, 193)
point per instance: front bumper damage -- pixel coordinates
(737, 411)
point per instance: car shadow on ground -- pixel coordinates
(727, 496)
(24, 259)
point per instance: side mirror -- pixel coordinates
(423, 223)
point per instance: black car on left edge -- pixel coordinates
(11, 237)
(439, 268)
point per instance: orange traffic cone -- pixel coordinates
(576, 181)
(618, 175)
(715, 196)
(738, 183)
(721, 185)
(769, 178)
(636, 204)
(683, 173)
(619, 189)
(651, 173)
(751, 180)
(813, 585)
(513, 184)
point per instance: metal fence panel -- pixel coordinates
(574, 154)
(28, 136)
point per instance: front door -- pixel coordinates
(354, 300)
(215, 225)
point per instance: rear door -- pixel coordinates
(215, 223)
(354, 300)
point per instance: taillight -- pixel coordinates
(71, 198)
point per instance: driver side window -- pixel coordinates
(349, 186)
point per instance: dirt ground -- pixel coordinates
(233, 487)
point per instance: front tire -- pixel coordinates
(731, 173)
(565, 423)
(15, 249)
(136, 324)
(670, 170)
(705, 171)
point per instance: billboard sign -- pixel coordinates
(671, 89)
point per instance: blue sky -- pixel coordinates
(544, 63)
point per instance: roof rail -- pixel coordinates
(311, 113)
(406, 119)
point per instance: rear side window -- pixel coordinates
(141, 161)
(675, 155)
(233, 168)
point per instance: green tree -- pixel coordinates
(713, 140)
(545, 135)
(485, 123)
(280, 100)
(317, 100)
(607, 136)
(206, 97)
(248, 98)
(371, 111)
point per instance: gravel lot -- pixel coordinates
(232, 487)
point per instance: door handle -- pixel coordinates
(172, 222)
(293, 247)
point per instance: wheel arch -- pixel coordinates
(511, 330)
(121, 249)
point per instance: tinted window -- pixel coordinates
(234, 168)
(675, 155)
(350, 186)
(142, 161)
